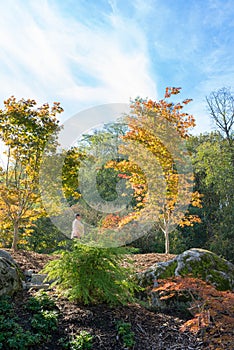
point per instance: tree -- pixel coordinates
(212, 161)
(98, 185)
(25, 130)
(221, 108)
(45, 237)
(158, 167)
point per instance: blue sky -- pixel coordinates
(85, 53)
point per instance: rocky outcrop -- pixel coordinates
(35, 281)
(10, 275)
(196, 263)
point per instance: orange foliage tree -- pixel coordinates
(158, 165)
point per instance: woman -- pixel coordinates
(77, 227)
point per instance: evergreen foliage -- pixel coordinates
(93, 275)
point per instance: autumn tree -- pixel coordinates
(24, 131)
(158, 166)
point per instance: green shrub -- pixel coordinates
(125, 333)
(45, 318)
(82, 341)
(5, 305)
(92, 275)
(12, 335)
(43, 322)
(41, 301)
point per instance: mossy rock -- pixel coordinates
(195, 262)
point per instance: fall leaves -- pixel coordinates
(158, 165)
(211, 310)
(24, 130)
(152, 160)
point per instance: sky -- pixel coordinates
(85, 53)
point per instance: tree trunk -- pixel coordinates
(166, 235)
(16, 236)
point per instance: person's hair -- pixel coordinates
(77, 215)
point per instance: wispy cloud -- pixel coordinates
(46, 55)
(84, 53)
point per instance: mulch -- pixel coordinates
(29, 260)
(152, 330)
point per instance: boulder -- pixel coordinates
(10, 275)
(6, 255)
(195, 262)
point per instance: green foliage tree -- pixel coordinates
(45, 237)
(72, 159)
(100, 183)
(214, 177)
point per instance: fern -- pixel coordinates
(93, 275)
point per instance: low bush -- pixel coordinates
(93, 275)
(40, 301)
(44, 321)
(125, 334)
(82, 341)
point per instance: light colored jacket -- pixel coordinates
(77, 229)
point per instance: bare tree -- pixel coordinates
(221, 109)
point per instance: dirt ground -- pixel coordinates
(152, 330)
(28, 260)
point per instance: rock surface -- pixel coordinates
(35, 281)
(6, 255)
(196, 263)
(10, 278)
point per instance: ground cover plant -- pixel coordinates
(152, 329)
(43, 321)
(125, 333)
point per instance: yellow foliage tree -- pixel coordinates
(24, 132)
(158, 164)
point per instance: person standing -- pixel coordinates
(77, 227)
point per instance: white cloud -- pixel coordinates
(34, 66)
(94, 53)
(48, 56)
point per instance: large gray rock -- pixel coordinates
(6, 255)
(196, 263)
(10, 276)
